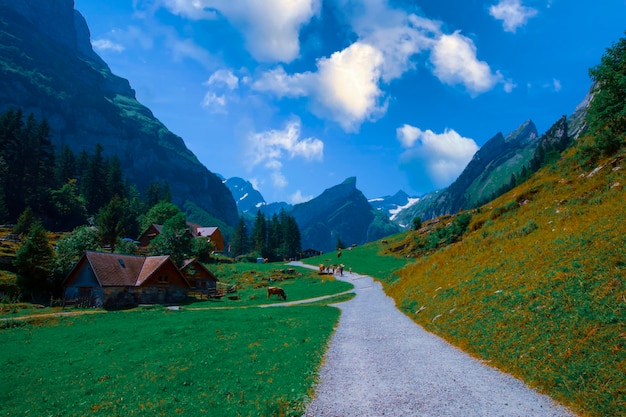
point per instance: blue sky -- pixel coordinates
(298, 95)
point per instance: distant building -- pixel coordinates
(213, 234)
(308, 253)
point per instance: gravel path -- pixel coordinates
(380, 363)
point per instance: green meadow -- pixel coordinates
(220, 357)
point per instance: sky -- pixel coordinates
(295, 96)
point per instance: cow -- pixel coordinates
(276, 291)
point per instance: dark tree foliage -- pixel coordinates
(68, 207)
(159, 214)
(158, 192)
(259, 235)
(291, 239)
(93, 181)
(114, 178)
(277, 238)
(27, 159)
(66, 167)
(240, 241)
(607, 112)
(174, 240)
(25, 221)
(113, 221)
(34, 262)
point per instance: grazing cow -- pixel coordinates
(276, 291)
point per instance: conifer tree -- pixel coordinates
(240, 240)
(33, 262)
(607, 110)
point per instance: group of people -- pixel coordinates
(333, 269)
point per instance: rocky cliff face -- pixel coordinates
(48, 68)
(340, 212)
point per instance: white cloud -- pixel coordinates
(192, 9)
(107, 45)
(344, 89)
(512, 13)
(297, 198)
(407, 135)
(271, 28)
(221, 83)
(182, 49)
(509, 86)
(556, 84)
(278, 82)
(440, 156)
(347, 89)
(269, 148)
(398, 35)
(224, 78)
(278, 179)
(455, 62)
(214, 102)
(348, 86)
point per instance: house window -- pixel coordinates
(163, 279)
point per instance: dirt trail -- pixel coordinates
(380, 363)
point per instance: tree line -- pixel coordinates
(275, 238)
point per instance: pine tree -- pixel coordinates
(240, 241)
(93, 181)
(112, 221)
(65, 167)
(33, 262)
(259, 235)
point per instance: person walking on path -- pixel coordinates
(381, 363)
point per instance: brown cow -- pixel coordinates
(276, 291)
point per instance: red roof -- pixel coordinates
(115, 270)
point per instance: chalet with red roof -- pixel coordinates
(112, 280)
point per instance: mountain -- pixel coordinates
(247, 198)
(489, 170)
(48, 68)
(394, 204)
(340, 213)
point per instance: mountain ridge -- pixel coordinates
(48, 68)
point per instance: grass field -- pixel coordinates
(205, 358)
(235, 362)
(253, 279)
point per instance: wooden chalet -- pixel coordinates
(198, 277)
(150, 233)
(213, 234)
(112, 280)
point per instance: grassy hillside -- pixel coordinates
(536, 287)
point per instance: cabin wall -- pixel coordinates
(84, 288)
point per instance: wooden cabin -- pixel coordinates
(213, 234)
(198, 276)
(112, 280)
